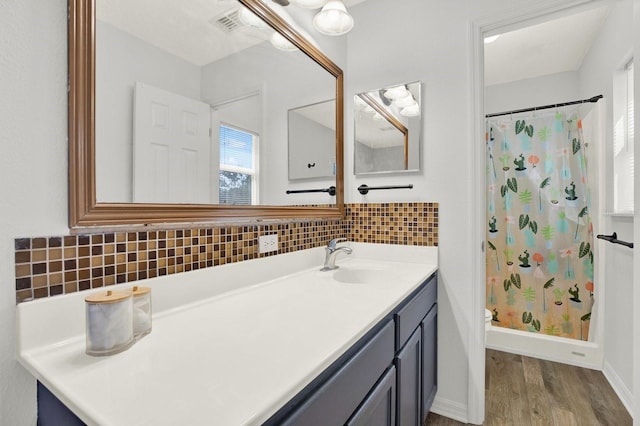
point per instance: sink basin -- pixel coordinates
(352, 275)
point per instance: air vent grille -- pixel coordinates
(227, 22)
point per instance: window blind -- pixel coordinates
(237, 171)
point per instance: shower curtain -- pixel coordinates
(539, 233)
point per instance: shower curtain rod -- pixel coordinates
(583, 101)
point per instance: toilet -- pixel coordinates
(488, 315)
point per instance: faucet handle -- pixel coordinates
(334, 242)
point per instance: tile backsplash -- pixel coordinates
(48, 266)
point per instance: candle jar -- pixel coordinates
(141, 311)
(109, 322)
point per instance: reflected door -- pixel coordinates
(171, 148)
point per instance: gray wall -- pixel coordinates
(130, 60)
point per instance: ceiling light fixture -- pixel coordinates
(333, 19)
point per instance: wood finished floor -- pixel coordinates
(522, 391)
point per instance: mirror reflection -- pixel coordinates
(388, 129)
(192, 100)
(312, 135)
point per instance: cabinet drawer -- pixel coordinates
(409, 317)
(335, 401)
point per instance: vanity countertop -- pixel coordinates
(232, 358)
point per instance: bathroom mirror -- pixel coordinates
(119, 78)
(312, 132)
(388, 129)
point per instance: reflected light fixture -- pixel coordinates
(280, 42)
(411, 110)
(309, 4)
(405, 102)
(359, 103)
(397, 92)
(248, 18)
(369, 109)
(333, 19)
(379, 117)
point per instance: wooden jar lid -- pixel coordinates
(108, 297)
(139, 291)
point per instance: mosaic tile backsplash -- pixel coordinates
(48, 266)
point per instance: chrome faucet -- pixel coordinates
(331, 251)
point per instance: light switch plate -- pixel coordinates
(268, 243)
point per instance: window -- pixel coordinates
(623, 135)
(238, 161)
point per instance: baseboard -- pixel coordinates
(550, 348)
(451, 409)
(619, 387)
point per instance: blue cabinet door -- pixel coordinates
(409, 365)
(379, 407)
(52, 412)
(429, 328)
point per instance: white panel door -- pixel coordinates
(171, 148)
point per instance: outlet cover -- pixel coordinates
(267, 243)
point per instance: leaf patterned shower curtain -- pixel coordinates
(539, 233)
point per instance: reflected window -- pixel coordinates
(238, 151)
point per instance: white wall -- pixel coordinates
(610, 51)
(636, 231)
(33, 166)
(545, 90)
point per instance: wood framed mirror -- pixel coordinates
(87, 210)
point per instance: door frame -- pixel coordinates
(479, 28)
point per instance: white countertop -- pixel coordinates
(233, 358)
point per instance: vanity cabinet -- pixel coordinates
(334, 401)
(387, 378)
(415, 361)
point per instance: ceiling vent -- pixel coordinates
(227, 22)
